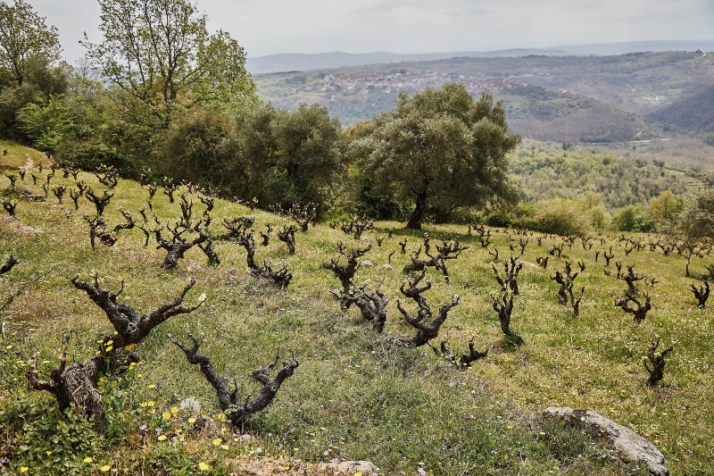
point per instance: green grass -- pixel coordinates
(356, 394)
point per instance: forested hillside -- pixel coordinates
(692, 113)
(590, 99)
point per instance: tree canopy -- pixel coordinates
(159, 53)
(24, 37)
(441, 148)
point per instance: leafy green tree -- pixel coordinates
(307, 151)
(442, 149)
(592, 199)
(203, 148)
(634, 218)
(24, 37)
(46, 126)
(693, 227)
(600, 217)
(666, 206)
(158, 54)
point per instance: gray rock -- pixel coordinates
(367, 468)
(629, 445)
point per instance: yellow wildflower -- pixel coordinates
(23, 469)
(174, 410)
(225, 447)
(192, 420)
(203, 466)
(217, 441)
(109, 348)
(105, 468)
(130, 347)
(166, 415)
(162, 437)
(88, 459)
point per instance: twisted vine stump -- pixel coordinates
(511, 268)
(10, 262)
(287, 236)
(701, 294)
(504, 309)
(372, 306)
(462, 361)
(424, 322)
(177, 245)
(281, 277)
(658, 362)
(239, 411)
(74, 384)
(639, 313)
(346, 273)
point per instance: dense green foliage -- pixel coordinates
(543, 172)
(24, 39)
(442, 149)
(158, 54)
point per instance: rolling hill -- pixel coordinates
(693, 113)
(568, 98)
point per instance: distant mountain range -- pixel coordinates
(571, 98)
(306, 62)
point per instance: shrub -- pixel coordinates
(562, 217)
(634, 219)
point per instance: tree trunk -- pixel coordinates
(419, 212)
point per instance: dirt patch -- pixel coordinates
(15, 226)
(29, 164)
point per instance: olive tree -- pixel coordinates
(440, 148)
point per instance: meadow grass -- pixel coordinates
(356, 394)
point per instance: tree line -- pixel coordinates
(161, 96)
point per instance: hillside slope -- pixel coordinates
(693, 113)
(622, 88)
(357, 394)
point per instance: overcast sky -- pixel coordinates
(417, 26)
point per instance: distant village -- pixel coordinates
(412, 82)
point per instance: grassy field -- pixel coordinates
(357, 394)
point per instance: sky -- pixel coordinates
(265, 27)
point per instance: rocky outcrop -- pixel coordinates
(367, 468)
(629, 445)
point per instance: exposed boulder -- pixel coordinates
(629, 445)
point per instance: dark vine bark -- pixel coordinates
(74, 384)
(658, 362)
(239, 411)
(424, 322)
